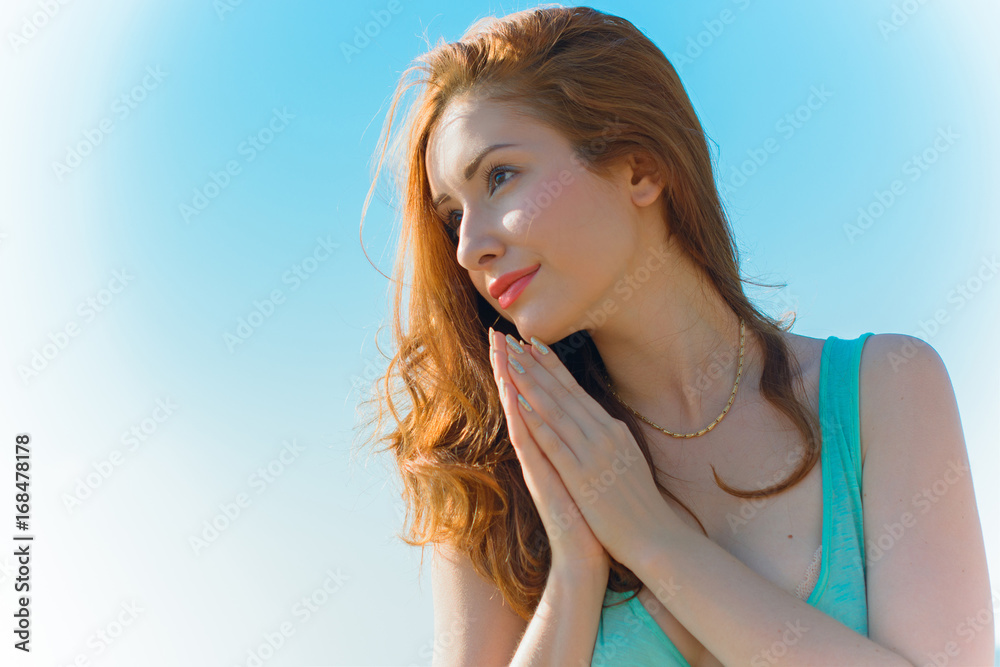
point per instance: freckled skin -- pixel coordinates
(584, 236)
(606, 264)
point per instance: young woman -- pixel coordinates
(618, 458)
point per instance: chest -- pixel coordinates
(776, 536)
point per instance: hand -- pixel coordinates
(593, 455)
(574, 546)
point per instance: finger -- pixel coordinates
(547, 440)
(493, 361)
(563, 456)
(489, 340)
(558, 406)
(548, 490)
(549, 360)
(544, 481)
(556, 432)
(539, 474)
(518, 430)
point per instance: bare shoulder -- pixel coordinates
(894, 366)
(890, 364)
(808, 352)
(919, 506)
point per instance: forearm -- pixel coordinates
(563, 629)
(741, 617)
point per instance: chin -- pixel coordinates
(536, 320)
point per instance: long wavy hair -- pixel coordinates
(609, 90)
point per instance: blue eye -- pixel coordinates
(450, 225)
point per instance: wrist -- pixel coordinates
(577, 574)
(657, 544)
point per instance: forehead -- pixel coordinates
(467, 126)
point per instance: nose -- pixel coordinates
(480, 239)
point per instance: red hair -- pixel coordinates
(602, 84)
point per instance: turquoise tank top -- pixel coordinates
(628, 635)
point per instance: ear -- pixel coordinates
(647, 181)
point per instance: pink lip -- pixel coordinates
(515, 289)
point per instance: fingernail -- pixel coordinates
(514, 344)
(524, 403)
(491, 339)
(539, 345)
(516, 364)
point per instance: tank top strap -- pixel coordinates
(839, 398)
(841, 589)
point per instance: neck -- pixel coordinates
(675, 360)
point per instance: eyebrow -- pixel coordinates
(470, 170)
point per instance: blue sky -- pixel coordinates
(183, 185)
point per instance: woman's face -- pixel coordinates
(532, 204)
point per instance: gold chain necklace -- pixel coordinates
(718, 419)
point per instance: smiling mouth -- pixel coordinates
(515, 289)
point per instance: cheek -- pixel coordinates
(587, 218)
(556, 205)
(567, 216)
